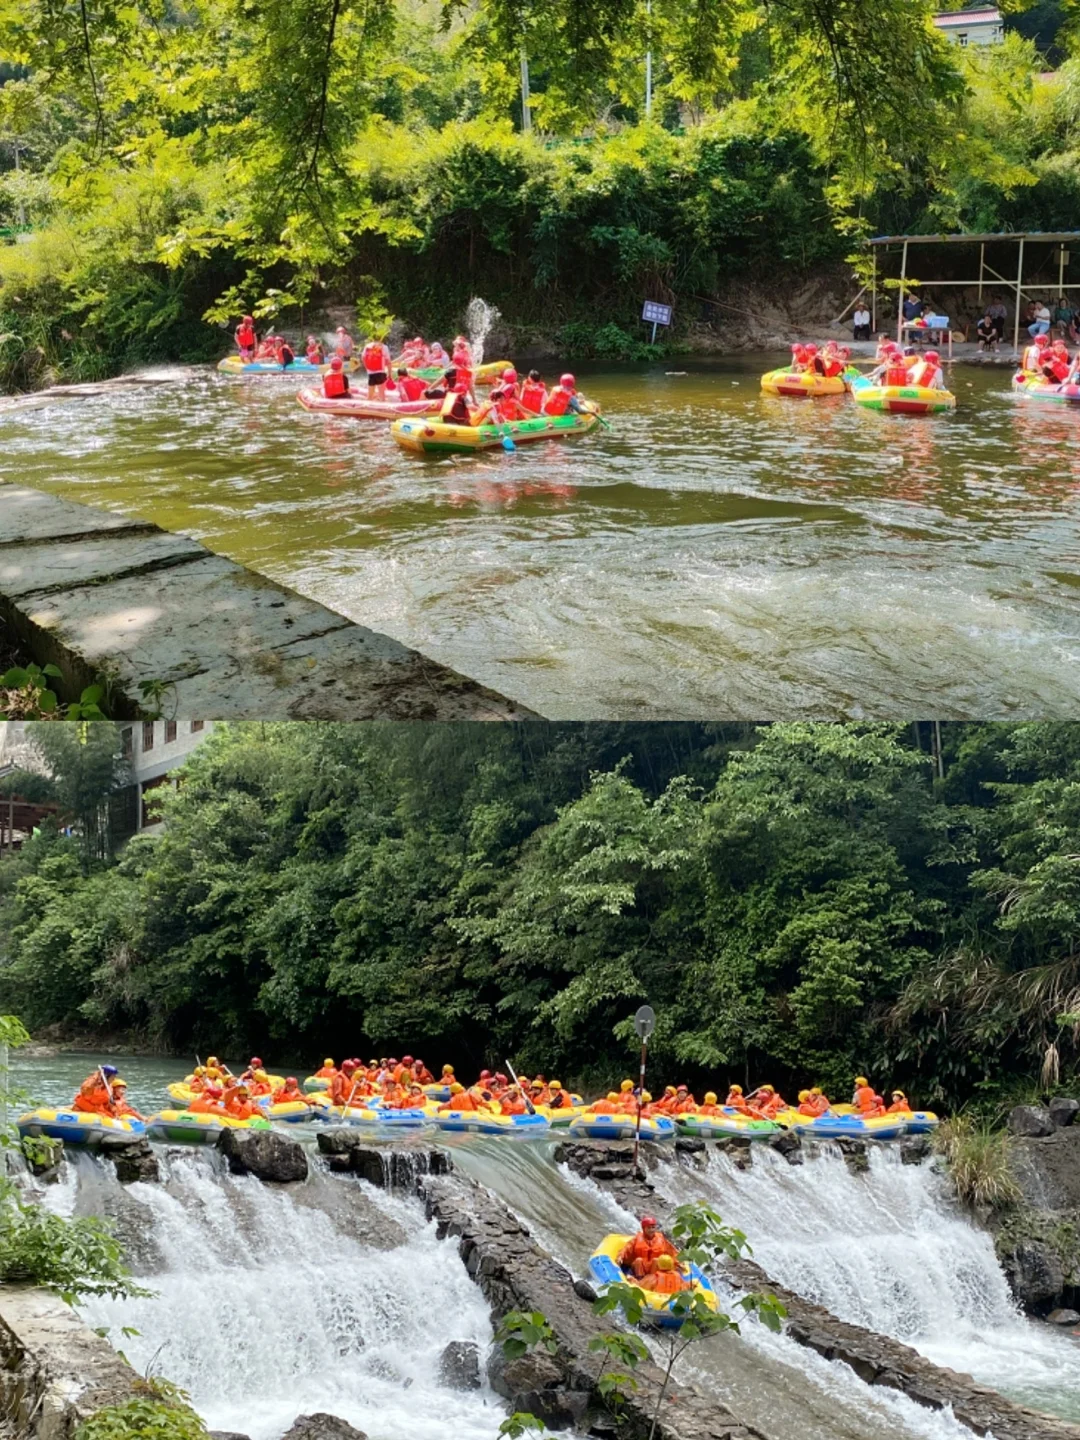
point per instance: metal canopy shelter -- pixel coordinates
(1011, 237)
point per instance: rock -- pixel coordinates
(228, 1435)
(43, 1157)
(788, 1144)
(322, 1427)
(1034, 1272)
(611, 1172)
(915, 1150)
(1031, 1121)
(689, 1145)
(584, 1290)
(459, 1365)
(390, 1167)
(134, 1162)
(266, 1154)
(1063, 1111)
(1064, 1317)
(524, 1377)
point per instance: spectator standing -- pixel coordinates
(997, 313)
(860, 322)
(913, 308)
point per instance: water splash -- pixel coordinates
(479, 318)
(275, 1302)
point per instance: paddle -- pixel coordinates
(594, 410)
(517, 1082)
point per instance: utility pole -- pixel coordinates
(648, 69)
(526, 113)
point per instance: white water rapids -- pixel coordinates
(890, 1250)
(273, 1302)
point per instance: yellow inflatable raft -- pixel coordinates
(182, 1127)
(605, 1270)
(801, 385)
(78, 1127)
(426, 435)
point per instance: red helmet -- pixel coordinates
(933, 356)
(248, 320)
(796, 347)
(348, 1065)
(335, 362)
(256, 1063)
(799, 351)
(290, 1080)
(811, 348)
(648, 1222)
(567, 382)
(510, 375)
(485, 1074)
(1041, 340)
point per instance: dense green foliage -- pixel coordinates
(179, 162)
(796, 901)
(162, 1412)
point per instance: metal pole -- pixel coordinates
(653, 341)
(11, 823)
(1061, 272)
(526, 113)
(648, 68)
(641, 1092)
(982, 258)
(900, 302)
(1019, 284)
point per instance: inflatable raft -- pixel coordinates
(433, 437)
(291, 1112)
(182, 1127)
(592, 1126)
(315, 1085)
(731, 1122)
(78, 1127)
(833, 1126)
(605, 1270)
(359, 407)
(482, 1122)
(1031, 387)
(373, 1118)
(799, 385)
(901, 399)
(234, 365)
(490, 370)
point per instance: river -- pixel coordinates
(716, 553)
(887, 1249)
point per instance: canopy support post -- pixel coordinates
(873, 295)
(1019, 291)
(982, 262)
(900, 301)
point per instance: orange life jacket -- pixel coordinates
(896, 374)
(667, 1282)
(374, 358)
(558, 402)
(647, 1251)
(533, 396)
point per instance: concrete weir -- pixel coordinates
(101, 595)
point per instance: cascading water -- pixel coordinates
(272, 1302)
(890, 1250)
(768, 1380)
(479, 318)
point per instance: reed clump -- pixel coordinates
(979, 1162)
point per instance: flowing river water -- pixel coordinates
(335, 1296)
(715, 553)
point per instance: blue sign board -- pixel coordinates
(655, 313)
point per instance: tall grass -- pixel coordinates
(979, 1162)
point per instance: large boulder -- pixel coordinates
(459, 1365)
(266, 1154)
(1033, 1122)
(1035, 1273)
(133, 1162)
(1063, 1110)
(321, 1426)
(914, 1150)
(1063, 1317)
(525, 1375)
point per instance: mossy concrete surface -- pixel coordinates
(103, 596)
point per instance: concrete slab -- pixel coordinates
(102, 597)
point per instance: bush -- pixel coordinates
(163, 1413)
(979, 1163)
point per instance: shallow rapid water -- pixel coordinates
(715, 553)
(890, 1250)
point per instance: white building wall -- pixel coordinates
(156, 747)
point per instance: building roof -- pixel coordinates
(978, 15)
(1052, 236)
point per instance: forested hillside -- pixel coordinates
(179, 161)
(794, 900)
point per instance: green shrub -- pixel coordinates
(163, 1413)
(978, 1161)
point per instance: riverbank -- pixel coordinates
(167, 624)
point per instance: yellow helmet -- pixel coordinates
(456, 1089)
(861, 1080)
(670, 1090)
(213, 1060)
(328, 1064)
(804, 1094)
(261, 1075)
(769, 1089)
(815, 1090)
(710, 1097)
(736, 1089)
(612, 1094)
(448, 1069)
(200, 1069)
(626, 1085)
(555, 1085)
(665, 1262)
(645, 1097)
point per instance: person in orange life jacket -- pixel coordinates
(246, 339)
(94, 1095)
(563, 398)
(343, 343)
(313, 351)
(640, 1254)
(421, 1074)
(798, 359)
(819, 1101)
(409, 386)
(533, 393)
(1033, 353)
(866, 1101)
(120, 1101)
(930, 375)
(291, 1094)
(815, 365)
(513, 1102)
(900, 1104)
(834, 365)
(736, 1100)
(376, 361)
(766, 1102)
(709, 1105)
(685, 1103)
(806, 1105)
(455, 408)
(265, 350)
(209, 1102)
(664, 1105)
(254, 1064)
(502, 405)
(335, 382)
(666, 1279)
(327, 1070)
(241, 1106)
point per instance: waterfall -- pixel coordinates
(479, 318)
(890, 1250)
(276, 1301)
